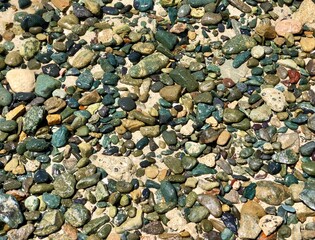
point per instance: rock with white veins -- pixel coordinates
(149, 65)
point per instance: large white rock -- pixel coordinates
(21, 80)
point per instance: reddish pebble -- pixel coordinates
(294, 76)
(228, 82)
(313, 156)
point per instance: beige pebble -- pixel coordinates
(21, 80)
(223, 138)
(152, 171)
(307, 44)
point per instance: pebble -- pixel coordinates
(211, 203)
(307, 44)
(148, 65)
(13, 59)
(82, 58)
(21, 80)
(274, 98)
(11, 213)
(270, 223)
(258, 52)
(211, 18)
(238, 44)
(288, 26)
(271, 193)
(171, 93)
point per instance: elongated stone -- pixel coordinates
(149, 65)
(183, 77)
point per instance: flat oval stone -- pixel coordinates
(21, 80)
(127, 103)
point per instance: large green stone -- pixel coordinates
(183, 77)
(149, 65)
(77, 215)
(45, 85)
(60, 137)
(33, 118)
(168, 191)
(238, 44)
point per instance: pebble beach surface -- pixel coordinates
(166, 119)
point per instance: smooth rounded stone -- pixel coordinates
(51, 69)
(51, 200)
(149, 65)
(127, 103)
(183, 10)
(307, 44)
(143, 5)
(238, 44)
(168, 192)
(5, 97)
(261, 113)
(257, 52)
(198, 213)
(88, 181)
(82, 58)
(31, 203)
(174, 164)
(77, 215)
(41, 188)
(232, 115)
(68, 21)
(8, 126)
(271, 193)
(223, 138)
(64, 185)
(36, 145)
(124, 187)
(29, 48)
(309, 168)
(270, 223)
(45, 85)
(33, 117)
(10, 211)
(274, 98)
(253, 208)
(271, 79)
(249, 227)
(150, 131)
(169, 137)
(51, 222)
(211, 203)
(154, 228)
(184, 78)
(21, 80)
(211, 18)
(307, 149)
(171, 93)
(288, 26)
(13, 59)
(287, 156)
(144, 48)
